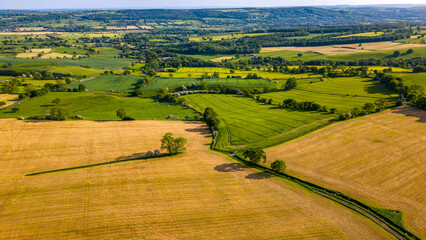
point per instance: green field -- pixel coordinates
(248, 123)
(121, 83)
(98, 106)
(197, 72)
(366, 34)
(225, 36)
(158, 83)
(77, 71)
(333, 92)
(412, 78)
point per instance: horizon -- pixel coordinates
(50, 5)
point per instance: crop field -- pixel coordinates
(98, 106)
(225, 36)
(412, 78)
(77, 71)
(197, 72)
(379, 159)
(366, 34)
(9, 99)
(193, 195)
(333, 92)
(346, 48)
(248, 123)
(121, 83)
(158, 83)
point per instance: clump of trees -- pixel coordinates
(255, 155)
(211, 118)
(278, 166)
(304, 106)
(173, 145)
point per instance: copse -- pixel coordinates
(211, 118)
(290, 84)
(173, 145)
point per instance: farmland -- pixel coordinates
(9, 99)
(412, 78)
(121, 83)
(247, 123)
(341, 93)
(98, 106)
(379, 159)
(193, 195)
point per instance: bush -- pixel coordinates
(59, 114)
(278, 166)
(2, 103)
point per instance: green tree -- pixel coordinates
(81, 87)
(2, 103)
(381, 103)
(56, 101)
(14, 109)
(290, 84)
(255, 155)
(59, 113)
(171, 75)
(410, 51)
(396, 54)
(121, 113)
(173, 145)
(368, 107)
(278, 166)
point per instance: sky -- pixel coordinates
(107, 4)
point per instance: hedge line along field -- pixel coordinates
(158, 83)
(121, 83)
(98, 106)
(412, 78)
(193, 195)
(378, 159)
(197, 72)
(333, 92)
(247, 123)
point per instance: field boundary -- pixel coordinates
(338, 197)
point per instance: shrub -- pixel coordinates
(59, 113)
(156, 152)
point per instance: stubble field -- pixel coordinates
(195, 195)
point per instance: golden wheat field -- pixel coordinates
(379, 159)
(9, 99)
(196, 195)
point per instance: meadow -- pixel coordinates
(341, 93)
(412, 78)
(247, 123)
(378, 159)
(194, 195)
(197, 72)
(98, 106)
(224, 36)
(121, 83)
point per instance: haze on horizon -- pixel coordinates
(144, 4)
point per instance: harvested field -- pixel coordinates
(220, 59)
(379, 159)
(345, 48)
(29, 29)
(56, 55)
(8, 98)
(145, 27)
(196, 195)
(41, 50)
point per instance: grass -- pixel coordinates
(121, 83)
(377, 159)
(196, 195)
(248, 123)
(77, 71)
(366, 34)
(9, 99)
(98, 106)
(197, 72)
(412, 78)
(333, 92)
(225, 36)
(171, 83)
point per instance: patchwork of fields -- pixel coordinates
(378, 159)
(194, 195)
(340, 93)
(248, 123)
(121, 83)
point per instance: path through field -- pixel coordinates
(196, 195)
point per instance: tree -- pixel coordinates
(290, 84)
(173, 145)
(121, 113)
(14, 109)
(299, 55)
(381, 103)
(396, 54)
(2, 103)
(189, 75)
(410, 51)
(81, 87)
(278, 166)
(56, 101)
(171, 75)
(59, 113)
(368, 107)
(255, 155)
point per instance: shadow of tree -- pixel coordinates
(230, 167)
(412, 112)
(258, 176)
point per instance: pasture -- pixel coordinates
(224, 36)
(158, 83)
(333, 92)
(193, 195)
(412, 78)
(98, 106)
(197, 72)
(378, 159)
(247, 123)
(121, 83)
(77, 70)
